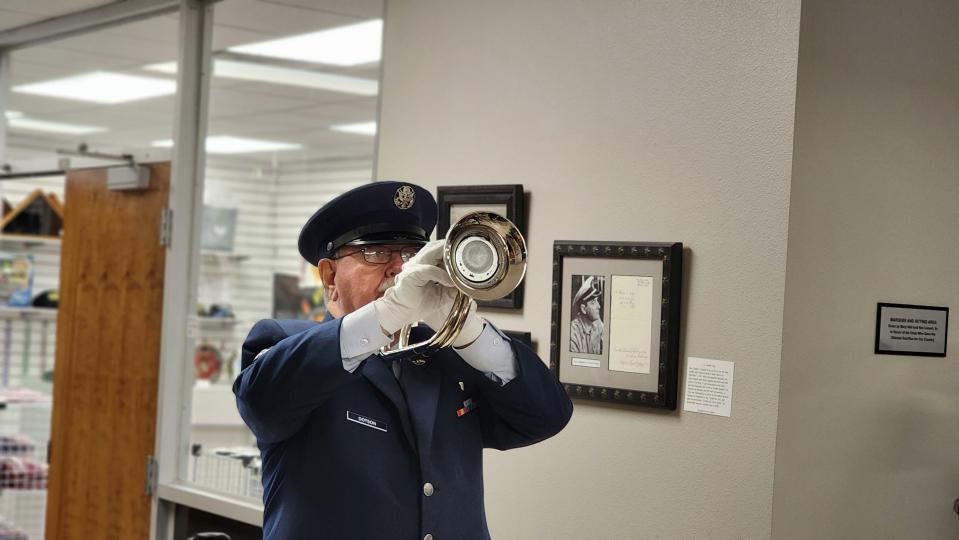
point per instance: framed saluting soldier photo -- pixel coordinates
(615, 321)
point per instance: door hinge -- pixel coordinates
(150, 487)
(166, 227)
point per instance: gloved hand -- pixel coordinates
(472, 326)
(432, 254)
(424, 292)
(417, 290)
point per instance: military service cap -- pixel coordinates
(376, 213)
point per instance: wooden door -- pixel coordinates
(107, 357)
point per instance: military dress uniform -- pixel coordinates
(357, 447)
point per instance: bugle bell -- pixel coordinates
(485, 257)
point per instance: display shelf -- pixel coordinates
(215, 405)
(26, 241)
(216, 322)
(30, 313)
(221, 256)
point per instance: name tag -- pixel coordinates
(365, 421)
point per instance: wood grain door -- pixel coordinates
(107, 357)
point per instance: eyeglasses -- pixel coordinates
(381, 254)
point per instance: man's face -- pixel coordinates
(358, 282)
(590, 308)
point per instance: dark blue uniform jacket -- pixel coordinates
(347, 455)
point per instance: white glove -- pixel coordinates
(432, 254)
(472, 327)
(407, 301)
(424, 291)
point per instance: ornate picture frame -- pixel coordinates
(507, 200)
(614, 334)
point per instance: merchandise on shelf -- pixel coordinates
(16, 279)
(22, 473)
(9, 532)
(16, 445)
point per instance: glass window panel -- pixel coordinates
(276, 151)
(45, 123)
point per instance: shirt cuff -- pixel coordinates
(360, 336)
(491, 354)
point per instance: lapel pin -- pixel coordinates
(463, 388)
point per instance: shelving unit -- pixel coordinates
(24, 435)
(216, 322)
(26, 241)
(31, 313)
(221, 256)
(27, 354)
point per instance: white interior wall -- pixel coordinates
(624, 120)
(867, 443)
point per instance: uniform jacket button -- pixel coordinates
(428, 537)
(428, 489)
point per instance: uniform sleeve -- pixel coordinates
(360, 337)
(530, 408)
(491, 354)
(277, 392)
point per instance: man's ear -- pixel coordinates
(327, 272)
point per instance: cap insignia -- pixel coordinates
(404, 197)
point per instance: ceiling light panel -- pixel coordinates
(101, 87)
(358, 128)
(250, 71)
(349, 45)
(23, 123)
(226, 144)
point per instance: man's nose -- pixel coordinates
(395, 265)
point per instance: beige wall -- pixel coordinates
(868, 445)
(655, 121)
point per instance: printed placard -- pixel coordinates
(709, 386)
(908, 329)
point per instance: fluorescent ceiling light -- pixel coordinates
(101, 87)
(31, 124)
(226, 144)
(342, 46)
(250, 71)
(16, 120)
(359, 128)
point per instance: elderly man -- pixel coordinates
(586, 327)
(355, 446)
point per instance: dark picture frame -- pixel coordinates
(630, 354)
(455, 201)
(523, 337)
(914, 328)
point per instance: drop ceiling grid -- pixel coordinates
(239, 108)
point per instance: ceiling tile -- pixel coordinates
(51, 8)
(262, 20)
(365, 9)
(13, 19)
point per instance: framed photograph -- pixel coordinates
(911, 330)
(615, 321)
(525, 337)
(506, 200)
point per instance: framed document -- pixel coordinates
(506, 200)
(907, 329)
(615, 321)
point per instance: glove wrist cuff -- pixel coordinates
(389, 324)
(472, 329)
